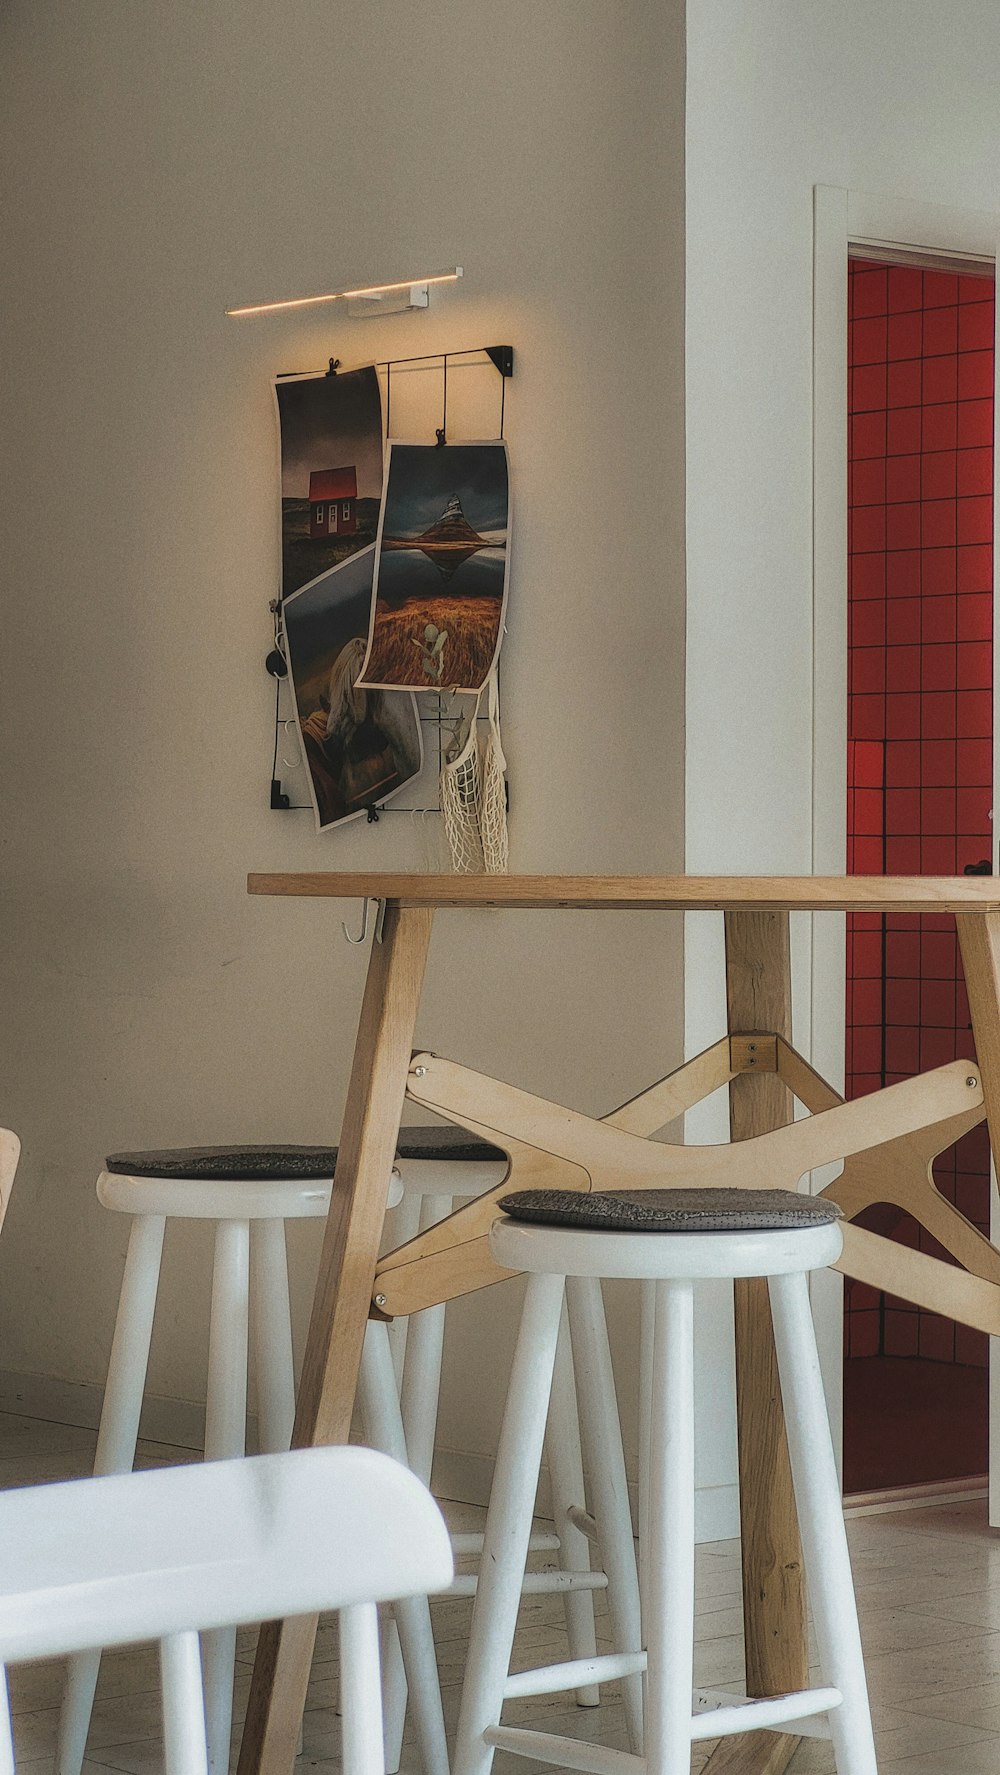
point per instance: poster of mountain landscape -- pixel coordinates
(331, 470)
(441, 568)
(360, 746)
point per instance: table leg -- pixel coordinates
(758, 990)
(979, 938)
(343, 1294)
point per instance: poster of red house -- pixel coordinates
(333, 502)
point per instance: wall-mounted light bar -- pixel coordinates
(411, 292)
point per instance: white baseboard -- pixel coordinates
(717, 1513)
(178, 1422)
(467, 1478)
(917, 1497)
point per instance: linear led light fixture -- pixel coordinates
(391, 298)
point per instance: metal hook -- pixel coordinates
(364, 927)
(379, 921)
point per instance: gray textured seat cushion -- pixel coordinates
(271, 1163)
(671, 1210)
(227, 1163)
(447, 1142)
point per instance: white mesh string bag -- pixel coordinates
(461, 796)
(493, 805)
(474, 793)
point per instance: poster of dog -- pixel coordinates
(361, 746)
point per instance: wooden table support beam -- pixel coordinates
(979, 941)
(759, 996)
(343, 1292)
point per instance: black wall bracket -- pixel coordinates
(502, 356)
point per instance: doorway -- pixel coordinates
(920, 692)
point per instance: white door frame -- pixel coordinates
(844, 220)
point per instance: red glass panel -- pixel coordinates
(920, 703)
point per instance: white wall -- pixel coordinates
(161, 162)
(895, 96)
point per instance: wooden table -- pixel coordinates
(888, 1140)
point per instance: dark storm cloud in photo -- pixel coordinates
(424, 478)
(328, 422)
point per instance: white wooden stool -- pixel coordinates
(439, 1165)
(673, 1238)
(249, 1193)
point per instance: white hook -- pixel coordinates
(364, 927)
(379, 920)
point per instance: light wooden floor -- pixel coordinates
(928, 1586)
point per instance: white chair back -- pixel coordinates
(164, 1554)
(10, 1152)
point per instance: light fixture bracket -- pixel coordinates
(388, 301)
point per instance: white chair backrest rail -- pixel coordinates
(10, 1152)
(162, 1555)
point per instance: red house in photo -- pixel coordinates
(333, 502)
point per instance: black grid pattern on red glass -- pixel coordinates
(920, 606)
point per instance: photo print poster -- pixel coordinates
(360, 746)
(331, 471)
(441, 568)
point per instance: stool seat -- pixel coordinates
(421, 1151)
(220, 1163)
(218, 1199)
(447, 1144)
(671, 1210)
(225, 1182)
(669, 1243)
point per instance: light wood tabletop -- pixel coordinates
(649, 893)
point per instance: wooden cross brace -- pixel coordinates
(888, 1140)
